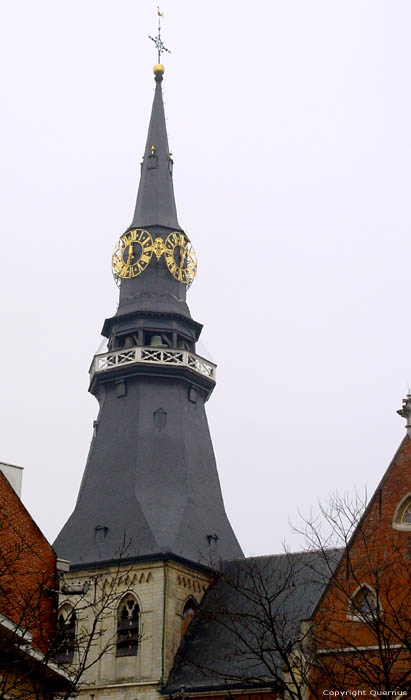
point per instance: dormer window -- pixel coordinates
(402, 515)
(100, 533)
(152, 161)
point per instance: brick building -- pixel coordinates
(362, 624)
(27, 599)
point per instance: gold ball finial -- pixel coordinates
(158, 69)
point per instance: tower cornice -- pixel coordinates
(162, 557)
(123, 315)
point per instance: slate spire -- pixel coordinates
(155, 204)
(150, 487)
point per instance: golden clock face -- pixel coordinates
(132, 254)
(180, 257)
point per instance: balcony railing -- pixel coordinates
(153, 356)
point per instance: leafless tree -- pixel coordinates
(251, 630)
(46, 647)
(334, 617)
(361, 631)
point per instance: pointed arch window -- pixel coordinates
(188, 613)
(128, 619)
(66, 634)
(363, 605)
(402, 515)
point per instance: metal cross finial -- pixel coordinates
(158, 40)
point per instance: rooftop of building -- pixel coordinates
(227, 641)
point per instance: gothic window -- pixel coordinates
(402, 515)
(127, 627)
(363, 605)
(66, 634)
(188, 614)
(406, 518)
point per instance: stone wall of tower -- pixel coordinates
(161, 590)
(182, 584)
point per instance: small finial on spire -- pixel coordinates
(159, 68)
(405, 412)
(158, 71)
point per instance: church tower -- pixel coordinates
(150, 502)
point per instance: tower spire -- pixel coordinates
(151, 479)
(155, 204)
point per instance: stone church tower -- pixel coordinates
(150, 514)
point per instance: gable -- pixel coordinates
(361, 623)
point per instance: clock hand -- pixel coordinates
(183, 258)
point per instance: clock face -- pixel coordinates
(180, 257)
(132, 254)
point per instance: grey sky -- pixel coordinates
(290, 127)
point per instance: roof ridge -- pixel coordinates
(286, 553)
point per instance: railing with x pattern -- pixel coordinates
(158, 356)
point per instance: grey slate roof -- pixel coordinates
(223, 646)
(150, 490)
(155, 204)
(156, 491)
(155, 291)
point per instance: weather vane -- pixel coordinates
(158, 40)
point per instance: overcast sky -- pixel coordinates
(289, 121)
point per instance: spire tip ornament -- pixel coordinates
(159, 44)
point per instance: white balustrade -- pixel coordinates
(157, 356)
